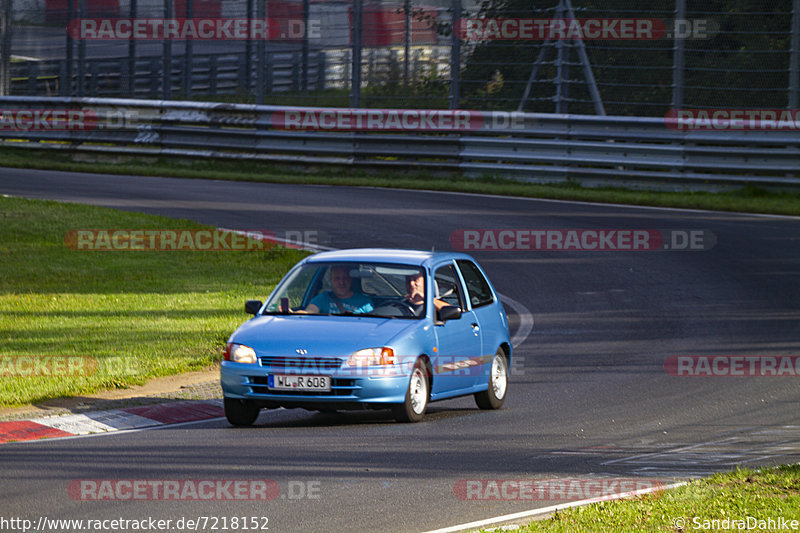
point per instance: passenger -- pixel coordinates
(342, 299)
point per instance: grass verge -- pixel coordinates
(747, 199)
(132, 315)
(743, 498)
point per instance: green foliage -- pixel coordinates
(743, 62)
(134, 314)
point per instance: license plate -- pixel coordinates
(301, 383)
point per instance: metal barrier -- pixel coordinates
(525, 146)
(214, 74)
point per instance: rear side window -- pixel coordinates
(477, 286)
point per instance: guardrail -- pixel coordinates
(525, 146)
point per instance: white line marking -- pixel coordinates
(671, 451)
(287, 243)
(586, 203)
(525, 320)
(479, 524)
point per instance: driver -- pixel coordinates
(342, 299)
(415, 283)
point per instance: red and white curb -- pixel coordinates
(173, 412)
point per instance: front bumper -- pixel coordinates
(350, 388)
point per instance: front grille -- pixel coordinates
(301, 364)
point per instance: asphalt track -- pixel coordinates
(589, 393)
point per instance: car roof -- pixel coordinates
(387, 255)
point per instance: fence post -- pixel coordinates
(562, 67)
(5, 48)
(212, 73)
(580, 46)
(169, 13)
(794, 61)
(678, 56)
(130, 85)
(188, 50)
(261, 49)
(154, 63)
(304, 61)
(297, 74)
(247, 81)
(32, 73)
(407, 40)
(321, 72)
(355, 81)
(65, 85)
(81, 52)
(455, 57)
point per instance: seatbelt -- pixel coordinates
(337, 302)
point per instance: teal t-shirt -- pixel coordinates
(357, 303)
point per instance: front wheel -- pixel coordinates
(417, 395)
(241, 412)
(495, 395)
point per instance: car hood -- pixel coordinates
(319, 336)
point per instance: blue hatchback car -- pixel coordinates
(370, 329)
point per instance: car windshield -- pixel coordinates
(350, 288)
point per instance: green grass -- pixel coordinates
(134, 314)
(771, 493)
(748, 199)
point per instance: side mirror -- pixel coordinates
(449, 312)
(251, 307)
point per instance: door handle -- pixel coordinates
(475, 328)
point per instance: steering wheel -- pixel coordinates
(407, 309)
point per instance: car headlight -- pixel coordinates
(239, 353)
(372, 357)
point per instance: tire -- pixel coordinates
(495, 395)
(241, 412)
(417, 396)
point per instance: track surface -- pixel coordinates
(589, 394)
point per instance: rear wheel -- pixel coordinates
(241, 412)
(417, 395)
(493, 397)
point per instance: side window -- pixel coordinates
(447, 286)
(477, 286)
